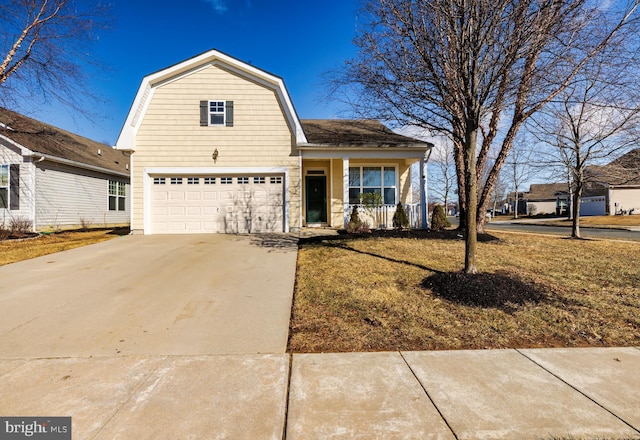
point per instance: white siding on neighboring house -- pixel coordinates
(73, 197)
(624, 199)
(541, 207)
(9, 156)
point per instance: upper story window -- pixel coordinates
(216, 113)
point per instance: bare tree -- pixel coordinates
(473, 70)
(45, 48)
(520, 167)
(442, 174)
(592, 121)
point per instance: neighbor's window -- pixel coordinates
(380, 180)
(117, 196)
(4, 186)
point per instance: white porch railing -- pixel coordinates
(381, 216)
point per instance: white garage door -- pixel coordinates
(205, 204)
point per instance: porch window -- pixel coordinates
(380, 180)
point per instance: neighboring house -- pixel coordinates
(610, 189)
(216, 146)
(541, 199)
(554, 199)
(621, 181)
(55, 179)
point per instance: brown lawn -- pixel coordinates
(407, 294)
(12, 251)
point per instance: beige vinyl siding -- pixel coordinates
(66, 196)
(170, 134)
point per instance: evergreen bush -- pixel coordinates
(439, 219)
(400, 218)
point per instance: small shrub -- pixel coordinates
(400, 218)
(20, 225)
(438, 219)
(4, 233)
(355, 225)
(85, 223)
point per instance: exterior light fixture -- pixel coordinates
(215, 155)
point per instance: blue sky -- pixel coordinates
(298, 40)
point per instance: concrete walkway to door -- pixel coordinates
(151, 295)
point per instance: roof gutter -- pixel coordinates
(333, 147)
(40, 157)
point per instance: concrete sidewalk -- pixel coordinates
(494, 394)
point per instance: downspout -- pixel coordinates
(34, 171)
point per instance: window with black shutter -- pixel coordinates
(216, 113)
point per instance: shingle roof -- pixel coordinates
(355, 133)
(52, 141)
(624, 170)
(543, 191)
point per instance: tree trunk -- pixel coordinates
(471, 199)
(575, 225)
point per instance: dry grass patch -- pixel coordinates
(12, 251)
(408, 294)
(602, 221)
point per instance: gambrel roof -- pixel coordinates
(126, 140)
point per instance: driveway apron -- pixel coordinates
(151, 295)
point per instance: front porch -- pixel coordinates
(346, 159)
(332, 187)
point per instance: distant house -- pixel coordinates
(609, 190)
(217, 146)
(554, 199)
(55, 179)
(621, 181)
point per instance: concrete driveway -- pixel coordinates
(151, 295)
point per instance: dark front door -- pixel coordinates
(316, 199)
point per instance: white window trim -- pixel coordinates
(381, 166)
(7, 186)
(117, 195)
(224, 113)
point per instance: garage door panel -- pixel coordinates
(176, 211)
(209, 195)
(176, 195)
(205, 208)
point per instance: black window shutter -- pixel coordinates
(14, 185)
(204, 113)
(228, 106)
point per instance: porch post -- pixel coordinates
(423, 192)
(345, 189)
